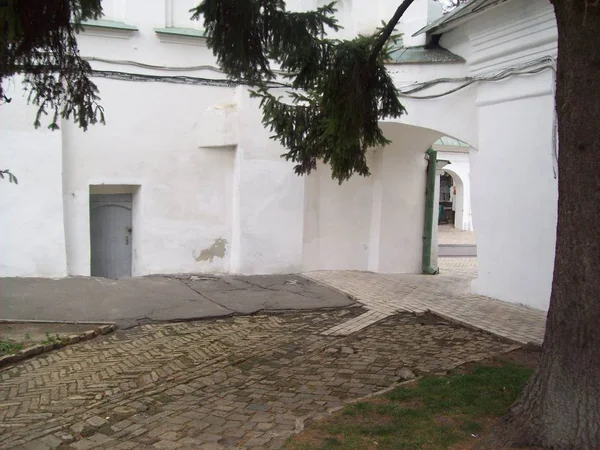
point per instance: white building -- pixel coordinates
(459, 169)
(184, 178)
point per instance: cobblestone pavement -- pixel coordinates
(447, 294)
(448, 235)
(239, 382)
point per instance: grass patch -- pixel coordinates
(8, 346)
(437, 412)
(51, 339)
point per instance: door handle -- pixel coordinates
(126, 240)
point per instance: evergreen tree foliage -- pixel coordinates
(339, 89)
(38, 41)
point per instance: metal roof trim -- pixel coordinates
(458, 16)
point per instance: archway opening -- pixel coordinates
(455, 233)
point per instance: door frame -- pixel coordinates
(135, 191)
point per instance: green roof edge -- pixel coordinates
(187, 32)
(109, 24)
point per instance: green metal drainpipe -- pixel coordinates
(428, 225)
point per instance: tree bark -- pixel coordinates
(560, 407)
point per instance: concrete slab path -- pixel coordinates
(132, 301)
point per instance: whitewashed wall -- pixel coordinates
(452, 115)
(399, 237)
(514, 194)
(269, 200)
(32, 238)
(373, 223)
(514, 189)
(202, 168)
(184, 192)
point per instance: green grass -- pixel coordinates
(437, 412)
(50, 339)
(8, 346)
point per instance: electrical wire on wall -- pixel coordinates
(529, 68)
(179, 79)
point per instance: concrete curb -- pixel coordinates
(66, 322)
(532, 345)
(39, 349)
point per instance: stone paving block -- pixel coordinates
(125, 445)
(166, 444)
(208, 437)
(51, 441)
(84, 444)
(96, 421)
(212, 446)
(100, 438)
(37, 445)
(188, 442)
(256, 442)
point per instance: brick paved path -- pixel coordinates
(226, 383)
(447, 294)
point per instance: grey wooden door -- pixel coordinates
(110, 235)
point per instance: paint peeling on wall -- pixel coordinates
(216, 250)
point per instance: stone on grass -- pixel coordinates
(405, 374)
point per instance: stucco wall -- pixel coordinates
(514, 195)
(270, 199)
(32, 238)
(402, 197)
(514, 188)
(202, 166)
(338, 221)
(452, 115)
(185, 192)
(373, 223)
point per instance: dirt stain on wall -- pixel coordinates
(216, 250)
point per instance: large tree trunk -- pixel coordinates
(560, 408)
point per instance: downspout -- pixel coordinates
(431, 155)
